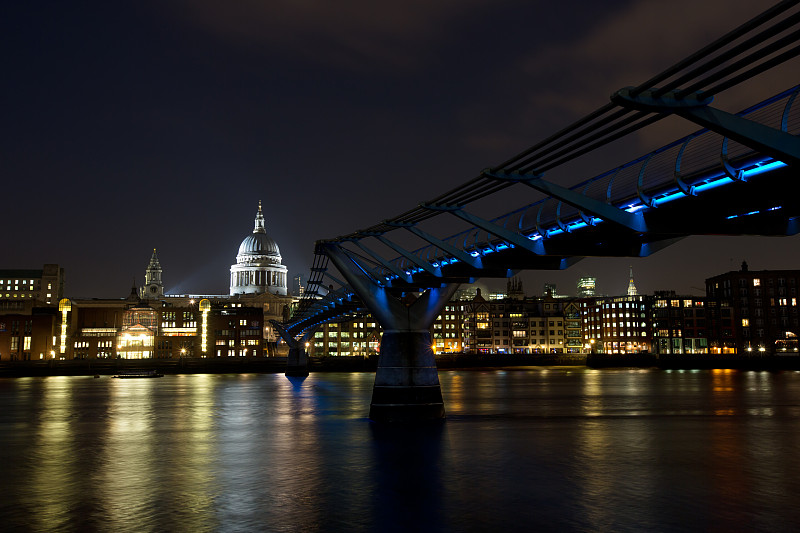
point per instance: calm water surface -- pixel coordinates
(557, 449)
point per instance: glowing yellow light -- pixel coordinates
(205, 308)
(64, 306)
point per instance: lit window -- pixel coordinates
(745, 322)
(756, 282)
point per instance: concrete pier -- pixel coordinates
(406, 380)
(297, 361)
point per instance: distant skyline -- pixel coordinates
(133, 126)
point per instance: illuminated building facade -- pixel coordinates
(258, 267)
(573, 331)
(515, 325)
(356, 337)
(136, 338)
(158, 329)
(753, 312)
(618, 325)
(678, 324)
(30, 335)
(587, 287)
(43, 287)
(448, 332)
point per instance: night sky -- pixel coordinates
(134, 125)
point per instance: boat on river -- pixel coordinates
(138, 374)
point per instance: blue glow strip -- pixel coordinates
(763, 168)
(712, 184)
(669, 198)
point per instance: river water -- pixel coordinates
(528, 449)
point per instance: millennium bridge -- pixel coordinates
(735, 175)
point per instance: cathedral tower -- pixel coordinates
(153, 286)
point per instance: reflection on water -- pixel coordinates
(571, 449)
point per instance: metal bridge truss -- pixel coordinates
(737, 175)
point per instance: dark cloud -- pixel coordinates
(354, 34)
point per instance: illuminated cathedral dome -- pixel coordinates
(258, 267)
(258, 246)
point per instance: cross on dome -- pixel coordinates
(259, 220)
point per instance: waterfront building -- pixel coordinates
(678, 324)
(28, 335)
(515, 325)
(753, 311)
(42, 287)
(477, 325)
(616, 325)
(573, 331)
(133, 328)
(258, 267)
(448, 329)
(359, 336)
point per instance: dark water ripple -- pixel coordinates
(554, 449)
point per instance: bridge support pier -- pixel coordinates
(297, 362)
(406, 381)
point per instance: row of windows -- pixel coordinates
(677, 303)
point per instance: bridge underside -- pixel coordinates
(739, 208)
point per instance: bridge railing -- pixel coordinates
(677, 169)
